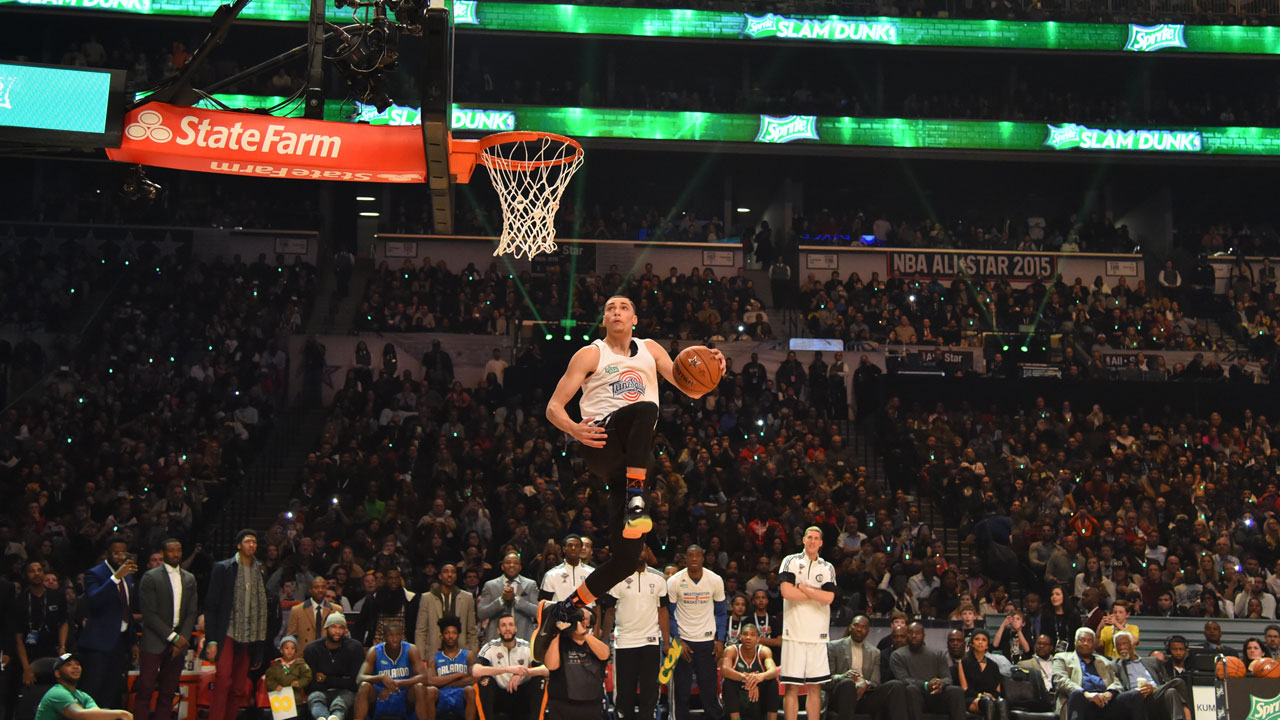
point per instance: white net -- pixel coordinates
(530, 174)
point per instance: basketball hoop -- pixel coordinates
(530, 171)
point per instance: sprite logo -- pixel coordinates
(1150, 38)
(786, 129)
(611, 370)
(1071, 136)
(1260, 709)
(761, 27)
(464, 12)
(1064, 137)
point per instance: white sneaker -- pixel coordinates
(334, 717)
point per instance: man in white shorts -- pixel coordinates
(808, 585)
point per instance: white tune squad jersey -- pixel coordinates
(619, 380)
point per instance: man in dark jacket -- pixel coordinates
(236, 625)
(109, 632)
(335, 661)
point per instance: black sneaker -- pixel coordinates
(545, 632)
(565, 614)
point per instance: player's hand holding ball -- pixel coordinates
(697, 370)
(590, 435)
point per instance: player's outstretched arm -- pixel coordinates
(582, 364)
(663, 362)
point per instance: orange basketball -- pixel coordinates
(696, 371)
(1234, 667)
(1265, 668)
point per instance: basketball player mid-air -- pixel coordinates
(618, 377)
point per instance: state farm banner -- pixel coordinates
(236, 143)
(947, 264)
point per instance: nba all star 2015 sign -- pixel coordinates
(237, 143)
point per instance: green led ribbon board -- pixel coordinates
(641, 125)
(519, 17)
(272, 10)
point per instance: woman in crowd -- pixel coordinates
(980, 679)
(1059, 621)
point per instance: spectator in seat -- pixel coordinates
(335, 662)
(1042, 661)
(1164, 696)
(980, 679)
(1213, 639)
(856, 685)
(1272, 639)
(65, 701)
(927, 677)
(1086, 685)
(1114, 622)
(289, 670)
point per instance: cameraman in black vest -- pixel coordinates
(576, 659)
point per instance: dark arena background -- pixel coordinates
(994, 282)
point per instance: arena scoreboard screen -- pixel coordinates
(50, 105)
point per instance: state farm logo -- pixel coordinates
(149, 127)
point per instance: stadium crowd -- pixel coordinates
(440, 514)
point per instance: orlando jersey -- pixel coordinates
(446, 665)
(398, 669)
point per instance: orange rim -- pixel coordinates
(483, 145)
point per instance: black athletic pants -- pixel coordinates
(629, 444)
(635, 681)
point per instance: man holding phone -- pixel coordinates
(107, 640)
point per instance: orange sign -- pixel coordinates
(236, 143)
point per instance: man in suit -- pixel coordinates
(108, 634)
(446, 600)
(167, 601)
(236, 622)
(1165, 697)
(1042, 662)
(855, 685)
(1086, 686)
(1213, 640)
(307, 619)
(512, 594)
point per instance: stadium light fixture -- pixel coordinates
(366, 198)
(744, 210)
(369, 214)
